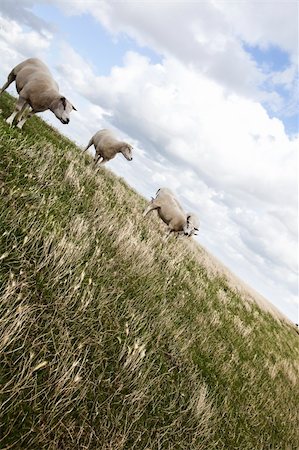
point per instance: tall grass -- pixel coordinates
(112, 338)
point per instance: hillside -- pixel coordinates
(112, 338)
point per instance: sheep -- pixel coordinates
(171, 212)
(37, 91)
(107, 147)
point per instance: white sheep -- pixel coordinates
(171, 212)
(107, 147)
(37, 91)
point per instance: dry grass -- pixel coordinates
(111, 338)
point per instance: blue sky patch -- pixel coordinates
(271, 58)
(84, 33)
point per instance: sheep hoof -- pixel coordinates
(9, 122)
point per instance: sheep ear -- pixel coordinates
(63, 100)
(74, 108)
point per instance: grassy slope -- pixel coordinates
(111, 338)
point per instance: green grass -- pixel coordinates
(113, 338)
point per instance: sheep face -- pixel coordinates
(186, 230)
(126, 150)
(62, 109)
(191, 226)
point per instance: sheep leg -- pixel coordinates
(168, 233)
(11, 118)
(97, 159)
(25, 116)
(103, 162)
(11, 77)
(19, 109)
(21, 106)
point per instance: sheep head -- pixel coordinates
(62, 108)
(192, 225)
(126, 150)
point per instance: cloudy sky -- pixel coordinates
(207, 93)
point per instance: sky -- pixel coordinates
(207, 93)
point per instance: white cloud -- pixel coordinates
(229, 138)
(195, 33)
(17, 44)
(260, 23)
(209, 36)
(20, 12)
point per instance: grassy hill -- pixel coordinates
(112, 338)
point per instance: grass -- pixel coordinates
(112, 338)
